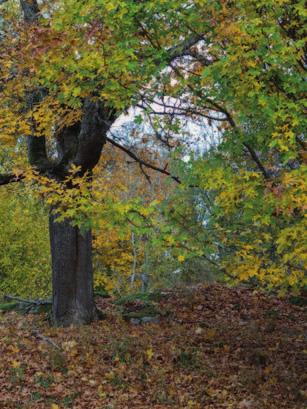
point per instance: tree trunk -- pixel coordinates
(72, 274)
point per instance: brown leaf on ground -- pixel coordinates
(216, 348)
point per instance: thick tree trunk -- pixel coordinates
(72, 274)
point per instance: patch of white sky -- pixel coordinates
(196, 134)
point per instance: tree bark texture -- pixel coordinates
(72, 274)
(71, 251)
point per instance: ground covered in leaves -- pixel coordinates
(213, 347)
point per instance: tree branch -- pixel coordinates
(178, 51)
(30, 10)
(183, 49)
(37, 153)
(42, 337)
(92, 135)
(5, 179)
(256, 159)
(141, 161)
(36, 302)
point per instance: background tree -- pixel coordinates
(247, 75)
(24, 249)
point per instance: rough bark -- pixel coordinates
(30, 10)
(92, 135)
(71, 251)
(72, 274)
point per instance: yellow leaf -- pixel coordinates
(54, 406)
(15, 364)
(149, 354)
(101, 392)
(14, 349)
(210, 334)
(267, 370)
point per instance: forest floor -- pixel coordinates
(213, 347)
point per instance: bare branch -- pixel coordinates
(5, 179)
(35, 302)
(183, 49)
(256, 159)
(141, 161)
(145, 174)
(48, 340)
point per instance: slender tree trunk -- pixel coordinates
(72, 274)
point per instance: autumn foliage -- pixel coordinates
(239, 206)
(153, 187)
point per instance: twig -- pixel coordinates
(21, 300)
(48, 340)
(7, 178)
(141, 161)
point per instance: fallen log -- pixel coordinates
(21, 300)
(25, 306)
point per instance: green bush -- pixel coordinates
(24, 245)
